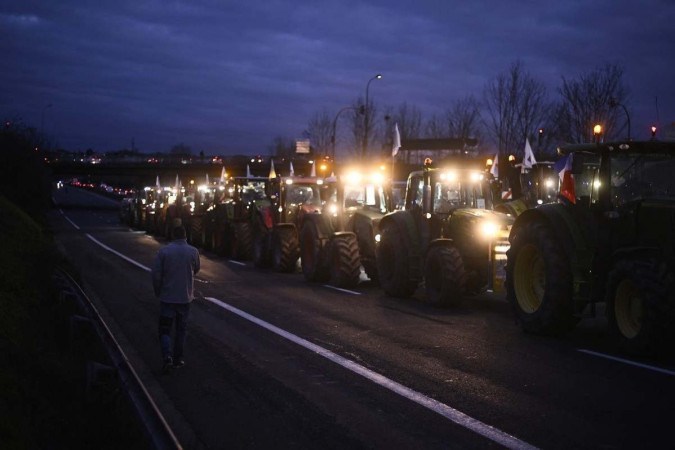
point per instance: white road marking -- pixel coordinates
(627, 361)
(239, 263)
(444, 410)
(341, 290)
(126, 258)
(68, 219)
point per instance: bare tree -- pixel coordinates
(320, 129)
(516, 105)
(591, 99)
(461, 120)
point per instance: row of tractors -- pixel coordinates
(595, 227)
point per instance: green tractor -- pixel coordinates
(608, 239)
(277, 220)
(446, 235)
(337, 242)
(227, 222)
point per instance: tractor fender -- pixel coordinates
(322, 225)
(289, 225)
(440, 242)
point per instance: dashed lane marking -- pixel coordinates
(628, 361)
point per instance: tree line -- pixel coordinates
(513, 106)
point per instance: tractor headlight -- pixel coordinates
(489, 229)
(378, 236)
(333, 209)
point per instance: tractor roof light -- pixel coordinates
(288, 181)
(476, 176)
(353, 178)
(377, 177)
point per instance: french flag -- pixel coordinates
(564, 168)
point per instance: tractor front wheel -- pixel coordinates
(345, 264)
(444, 276)
(393, 264)
(285, 249)
(539, 281)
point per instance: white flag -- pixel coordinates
(494, 170)
(292, 171)
(157, 184)
(313, 173)
(248, 171)
(177, 185)
(528, 158)
(273, 173)
(223, 175)
(207, 179)
(397, 141)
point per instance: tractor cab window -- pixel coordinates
(253, 190)
(454, 191)
(635, 176)
(583, 183)
(307, 195)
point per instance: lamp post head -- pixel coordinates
(378, 76)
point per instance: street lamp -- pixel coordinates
(597, 132)
(332, 138)
(613, 104)
(365, 118)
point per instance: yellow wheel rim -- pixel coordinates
(628, 309)
(529, 279)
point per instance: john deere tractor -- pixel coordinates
(336, 243)
(277, 220)
(610, 238)
(446, 236)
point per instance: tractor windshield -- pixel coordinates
(254, 190)
(639, 175)
(297, 194)
(451, 192)
(369, 195)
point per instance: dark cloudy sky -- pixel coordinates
(228, 76)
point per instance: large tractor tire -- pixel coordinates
(539, 281)
(285, 249)
(637, 306)
(344, 261)
(262, 252)
(196, 231)
(310, 253)
(241, 241)
(393, 263)
(444, 276)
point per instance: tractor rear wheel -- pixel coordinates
(636, 292)
(444, 276)
(241, 241)
(539, 281)
(345, 264)
(310, 253)
(285, 249)
(393, 264)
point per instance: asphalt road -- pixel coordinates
(276, 362)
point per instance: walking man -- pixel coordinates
(172, 279)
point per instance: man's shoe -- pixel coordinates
(177, 364)
(168, 363)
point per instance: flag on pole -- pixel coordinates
(292, 171)
(313, 173)
(207, 179)
(157, 184)
(223, 175)
(177, 184)
(494, 170)
(273, 173)
(248, 171)
(528, 158)
(564, 168)
(397, 141)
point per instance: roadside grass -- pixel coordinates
(42, 389)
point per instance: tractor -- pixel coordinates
(276, 221)
(337, 242)
(446, 236)
(538, 185)
(227, 222)
(609, 239)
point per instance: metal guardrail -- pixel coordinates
(155, 426)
